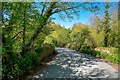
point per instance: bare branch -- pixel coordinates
(50, 8)
(43, 8)
(67, 13)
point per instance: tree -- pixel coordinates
(33, 20)
(48, 9)
(106, 24)
(103, 23)
(17, 19)
(78, 36)
(114, 28)
(96, 22)
(58, 35)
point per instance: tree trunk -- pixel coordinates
(106, 39)
(106, 31)
(24, 24)
(34, 36)
(44, 17)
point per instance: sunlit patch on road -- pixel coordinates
(71, 64)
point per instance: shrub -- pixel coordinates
(114, 58)
(39, 50)
(16, 66)
(88, 51)
(95, 53)
(103, 55)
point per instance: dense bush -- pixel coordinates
(39, 49)
(102, 55)
(114, 58)
(14, 67)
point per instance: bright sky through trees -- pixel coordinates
(84, 16)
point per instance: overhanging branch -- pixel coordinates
(59, 10)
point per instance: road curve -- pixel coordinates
(71, 64)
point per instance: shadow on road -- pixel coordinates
(71, 64)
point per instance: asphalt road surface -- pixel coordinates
(71, 64)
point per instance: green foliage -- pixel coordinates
(80, 36)
(103, 55)
(58, 35)
(114, 58)
(15, 67)
(106, 27)
(39, 49)
(97, 38)
(28, 30)
(0, 49)
(89, 51)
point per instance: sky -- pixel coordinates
(83, 18)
